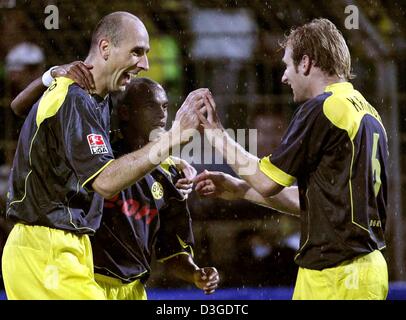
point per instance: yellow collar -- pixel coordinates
(339, 86)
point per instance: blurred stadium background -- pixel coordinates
(232, 48)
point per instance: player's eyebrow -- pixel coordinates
(140, 49)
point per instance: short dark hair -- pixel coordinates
(138, 87)
(111, 27)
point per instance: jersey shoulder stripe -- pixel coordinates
(346, 107)
(53, 99)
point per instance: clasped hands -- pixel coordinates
(197, 112)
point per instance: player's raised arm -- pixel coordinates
(245, 164)
(78, 71)
(124, 171)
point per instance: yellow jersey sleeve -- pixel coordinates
(276, 174)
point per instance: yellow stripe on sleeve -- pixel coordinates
(275, 173)
(173, 255)
(98, 171)
(184, 245)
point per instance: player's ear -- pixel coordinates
(104, 48)
(305, 65)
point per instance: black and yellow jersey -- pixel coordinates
(63, 145)
(336, 149)
(150, 216)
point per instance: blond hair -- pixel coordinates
(323, 43)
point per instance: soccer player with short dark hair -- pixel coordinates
(151, 215)
(336, 149)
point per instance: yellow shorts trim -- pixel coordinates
(41, 263)
(362, 278)
(116, 290)
(276, 174)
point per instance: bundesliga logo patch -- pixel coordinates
(96, 144)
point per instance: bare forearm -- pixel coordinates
(22, 104)
(182, 266)
(126, 170)
(222, 185)
(286, 201)
(245, 164)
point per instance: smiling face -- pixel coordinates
(295, 78)
(129, 57)
(149, 112)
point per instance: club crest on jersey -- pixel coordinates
(96, 144)
(157, 190)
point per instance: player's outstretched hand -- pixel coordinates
(208, 115)
(185, 185)
(187, 120)
(79, 72)
(215, 184)
(207, 279)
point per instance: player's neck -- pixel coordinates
(99, 75)
(134, 140)
(319, 84)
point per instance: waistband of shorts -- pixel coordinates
(115, 281)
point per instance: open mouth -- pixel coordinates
(132, 74)
(127, 76)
